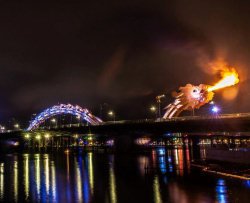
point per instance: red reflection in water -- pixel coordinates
(181, 163)
(154, 158)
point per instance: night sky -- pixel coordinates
(123, 53)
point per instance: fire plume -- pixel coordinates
(229, 78)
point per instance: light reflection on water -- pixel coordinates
(37, 174)
(1, 180)
(53, 182)
(15, 182)
(46, 172)
(156, 189)
(143, 161)
(221, 191)
(97, 177)
(26, 175)
(91, 173)
(112, 184)
(78, 181)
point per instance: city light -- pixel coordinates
(111, 113)
(125, 101)
(38, 137)
(27, 136)
(53, 120)
(215, 109)
(2, 128)
(153, 109)
(16, 143)
(47, 135)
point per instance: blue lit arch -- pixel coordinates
(64, 109)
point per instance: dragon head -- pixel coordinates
(188, 97)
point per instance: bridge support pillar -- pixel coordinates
(194, 148)
(124, 143)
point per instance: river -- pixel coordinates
(158, 175)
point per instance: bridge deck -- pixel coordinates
(192, 124)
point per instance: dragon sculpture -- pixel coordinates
(189, 97)
(192, 97)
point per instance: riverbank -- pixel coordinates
(225, 169)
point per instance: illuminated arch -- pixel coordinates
(64, 109)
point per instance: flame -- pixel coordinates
(229, 78)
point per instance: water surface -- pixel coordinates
(156, 176)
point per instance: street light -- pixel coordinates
(16, 126)
(53, 120)
(215, 110)
(38, 137)
(153, 109)
(78, 117)
(27, 136)
(111, 114)
(158, 101)
(2, 128)
(47, 135)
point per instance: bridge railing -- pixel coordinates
(183, 118)
(216, 116)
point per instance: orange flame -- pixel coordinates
(229, 78)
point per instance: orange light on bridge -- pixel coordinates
(229, 78)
